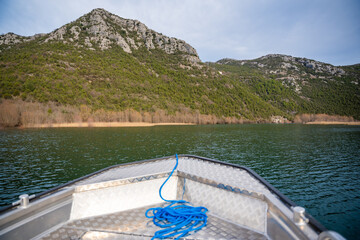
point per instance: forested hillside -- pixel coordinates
(105, 68)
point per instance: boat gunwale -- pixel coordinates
(317, 226)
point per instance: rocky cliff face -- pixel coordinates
(101, 29)
(12, 38)
(291, 71)
(292, 63)
(275, 63)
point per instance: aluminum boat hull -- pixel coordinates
(111, 204)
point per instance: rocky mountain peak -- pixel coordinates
(278, 63)
(293, 72)
(102, 29)
(12, 38)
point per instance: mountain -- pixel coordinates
(295, 84)
(101, 30)
(102, 67)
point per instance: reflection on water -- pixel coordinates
(317, 167)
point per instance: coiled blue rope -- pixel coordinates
(177, 219)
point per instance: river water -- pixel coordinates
(317, 167)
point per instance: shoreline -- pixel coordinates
(147, 124)
(332, 123)
(101, 124)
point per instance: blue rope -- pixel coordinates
(177, 219)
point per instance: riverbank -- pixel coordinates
(21, 114)
(17, 113)
(332, 123)
(102, 124)
(146, 124)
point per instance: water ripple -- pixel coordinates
(318, 167)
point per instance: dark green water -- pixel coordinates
(317, 167)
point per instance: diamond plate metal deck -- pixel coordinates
(250, 212)
(237, 208)
(133, 224)
(209, 170)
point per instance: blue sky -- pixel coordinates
(324, 30)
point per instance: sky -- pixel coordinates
(323, 30)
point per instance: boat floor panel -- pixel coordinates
(133, 224)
